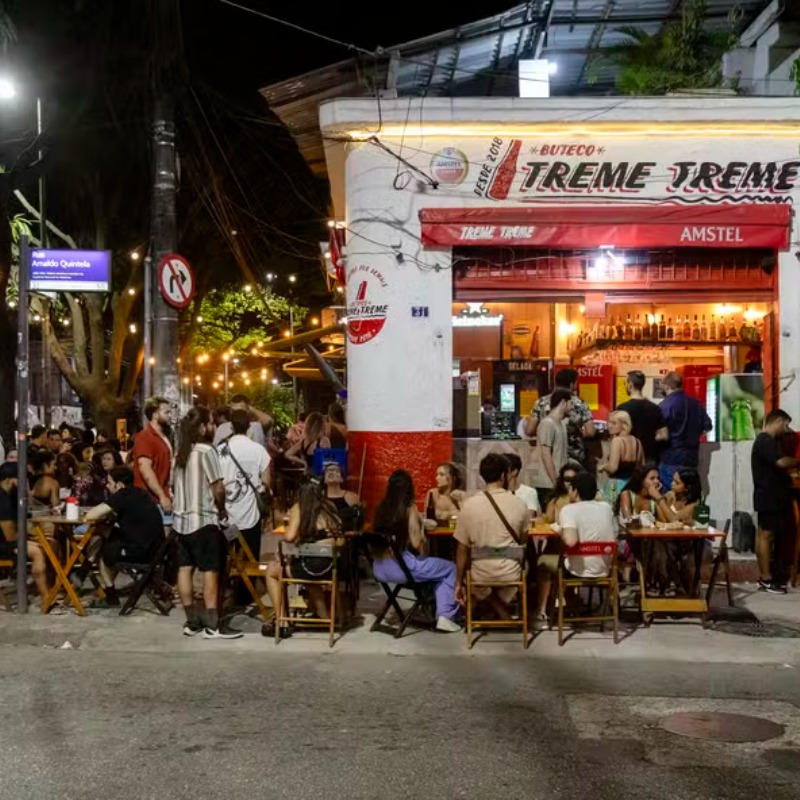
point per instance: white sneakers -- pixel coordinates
(446, 625)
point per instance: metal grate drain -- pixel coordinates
(719, 727)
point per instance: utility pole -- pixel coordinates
(163, 230)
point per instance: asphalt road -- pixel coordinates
(80, 724)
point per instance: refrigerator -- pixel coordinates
(735, 403)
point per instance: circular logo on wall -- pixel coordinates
(449, 166)
(367, 311)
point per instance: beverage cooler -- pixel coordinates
(696, 376)
(519, 383)
(735, 403)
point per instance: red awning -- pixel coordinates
(643, 226)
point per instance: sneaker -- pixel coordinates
(541, 623)
(221, 633)
(446, 625)
(771, 587)
(192, 628)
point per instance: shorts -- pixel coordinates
(772, 521)
(204, 549)
(549, 563)
(505, 593)
(116, 549)
(253, 538)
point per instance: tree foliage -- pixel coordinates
(235, 319)
(684, 54)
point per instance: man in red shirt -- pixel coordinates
(152, 455)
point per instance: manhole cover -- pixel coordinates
(758, 630)
(719, 727)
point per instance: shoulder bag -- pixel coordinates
(263, 502)
(502, 516)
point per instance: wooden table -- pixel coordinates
(694, 604)
(78, 543)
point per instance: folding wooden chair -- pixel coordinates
(149, 579)
(9, 565)
(607, 585)
(243, 564)
(421, 594)
(515, 552)
(331, 584)
(721, 560)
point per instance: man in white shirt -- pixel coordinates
(255, 429)
(245, 468)
(583, 519)
(527, 494)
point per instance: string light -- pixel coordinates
(292, 278)
(287, 334)
(151, 360)
(131, 291)
(314, 320)
(185, 381)
(274, 381)
(215, 385)
(134, 256)
(248, 288)
(199, 319)
(132, 327)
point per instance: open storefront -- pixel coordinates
(651, 235)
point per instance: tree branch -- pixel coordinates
(31, 210)
(79, 343)
(94, 307)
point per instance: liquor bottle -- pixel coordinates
(620, 327)
(722, 331)
(534, 352)
(670, 330)
(662, 329)
(637, 329)
(654, 328)
(696, 330)
(430, 511)
(687, 329)
(733, 334)
(712, 329)
(628, 329)
(744, 332)
(703, 329)
(758, 336)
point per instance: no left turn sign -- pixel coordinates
(176, 281)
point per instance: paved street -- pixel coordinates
(134, 710)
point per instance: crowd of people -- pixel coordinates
(213, 484)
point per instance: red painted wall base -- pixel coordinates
(418, 453)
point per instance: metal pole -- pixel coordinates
(148, 326)
(22, 426)
(226, 382)
(294, 377)
(165, 317)
(44, 241)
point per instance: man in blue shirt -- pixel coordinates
(687, 421)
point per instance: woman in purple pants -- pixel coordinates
(397, 516)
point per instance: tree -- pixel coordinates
(684, 54)
(234, 319)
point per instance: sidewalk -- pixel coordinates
(666, 640)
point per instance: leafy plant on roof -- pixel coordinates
(684, 54)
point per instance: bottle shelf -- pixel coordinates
(605, 344)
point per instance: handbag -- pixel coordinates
(263, 499)
(502, 516)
